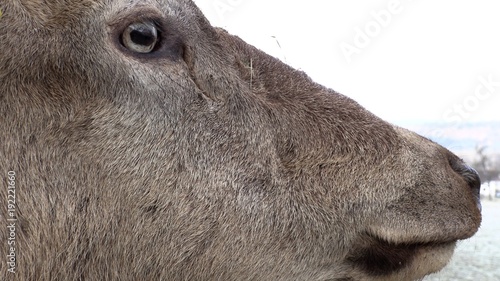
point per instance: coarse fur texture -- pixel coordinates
(205, 159)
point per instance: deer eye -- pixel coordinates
(140, 37)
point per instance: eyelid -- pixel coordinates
(131, 15)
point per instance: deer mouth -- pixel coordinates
(378, 257)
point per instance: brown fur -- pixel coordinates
(185, 164)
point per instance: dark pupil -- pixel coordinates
(142, 36)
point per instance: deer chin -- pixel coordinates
(379, 259)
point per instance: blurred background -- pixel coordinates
(432, 67)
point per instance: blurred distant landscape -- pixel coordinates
(463, 139)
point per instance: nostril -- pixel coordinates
(468, 173)
(472, 177)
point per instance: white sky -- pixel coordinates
(424, 63)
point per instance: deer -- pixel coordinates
(139, 142)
